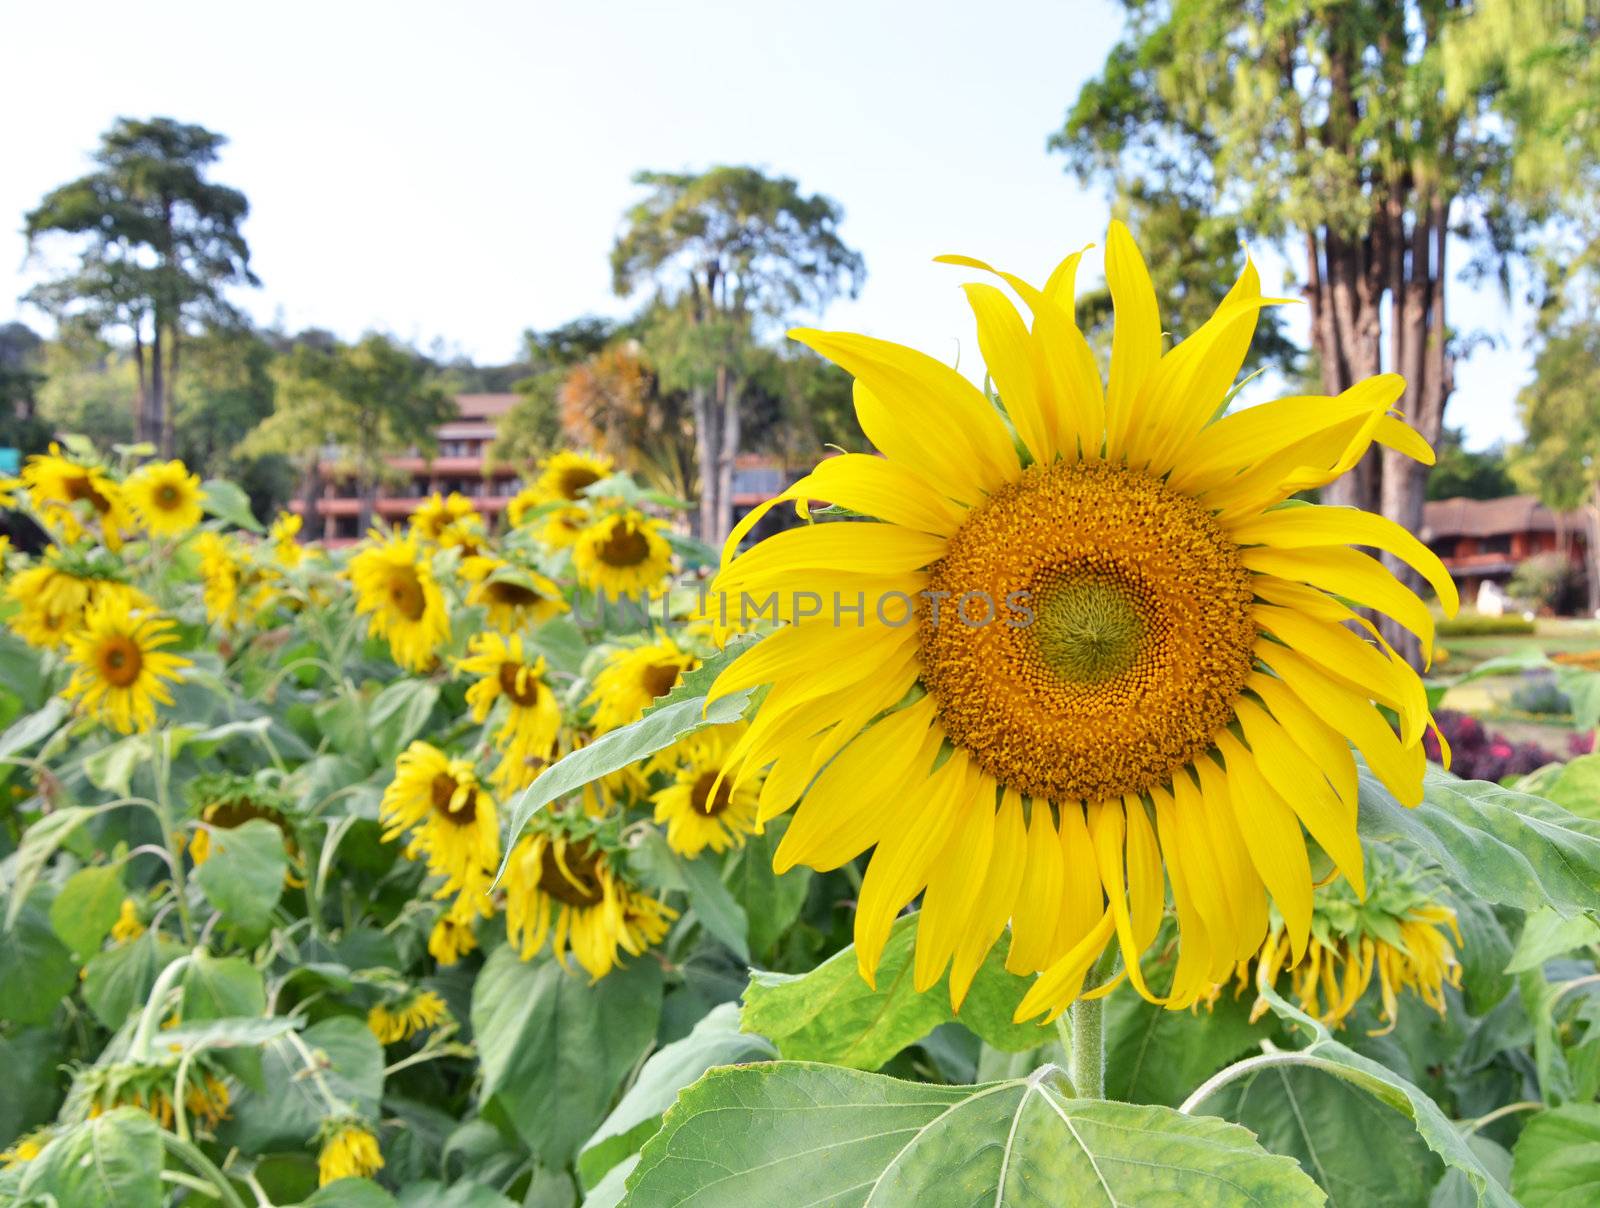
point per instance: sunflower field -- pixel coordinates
(581, 863)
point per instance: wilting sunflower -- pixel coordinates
(453, 935)
(400, 1019)
(566, 890)
(119, 671)
(395, 587)
(284, 537)
(221, 569)
(128, 925)
(451, 818)
(701, 807)
(1118, 647)
(527, 737)
(349, 1151)
(623, 554)
(165, 497)
(632, 678)
(226, 801)
(566, 475)
(67, 493)
(515, 596)
(150, 1087)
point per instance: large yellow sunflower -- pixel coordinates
(526, 739)
(632, 678)
(515, 596)
(349, 1151)
(119, 671)
(701, 807)
(450, 816)
(165, 497)
(448, 521)
(395, 587)
(66, 493)
(54, 594)
(221, 569)
(284, 537)
(566, 475)
(623, 554)
(1096, 638)
(566, 891)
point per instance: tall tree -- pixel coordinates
(21, 355)
(159, 244)
(614, 401)
(1460, 472)
(730, 252)
(532, 428)
(1330, 128)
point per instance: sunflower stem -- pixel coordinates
(1086, 1052)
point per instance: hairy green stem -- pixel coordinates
(1086, 1048)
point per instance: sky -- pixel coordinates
(457, 173)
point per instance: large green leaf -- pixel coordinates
(1574, 785)
(86, 908)
(430, 1193)
(771, 902)
(340, 1056)
(848, 1139)
(243, 878)
(32, 1058)
(715, 1040)
(555, 1047)
(116, 982)
(36, 970)
(39, 843)
(1158, 1056)
(227, 501)
(1556, 1161)
(112, 1161)
(398, 714)
(1495, 844)
(1546, 934)
(831, 1014)
(713, 905)
(34, 727)
(349, 1193)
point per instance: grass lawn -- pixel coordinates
(1490, 699)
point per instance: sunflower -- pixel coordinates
(451, 818)
(453, 935)
(284, 536)
(65, 493)
(128, 925)
(221, 569)
(1118, 659)
(119, 671)
(567, 891)
(632, 678)
(151, 1086)
(349, 1151)
(449, 521)
(403, 1018)
(622, 555)
(701, 807)
(396, 588)
(27, 1147)
(522, 503)
(566, 475)
(227, 801)
(165, 497)
(533, 718)
(514, 596)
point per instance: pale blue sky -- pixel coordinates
(458, 171)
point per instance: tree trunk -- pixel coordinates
(142, 406)
(707, 443)
(1347, 335)
(151, 422)
(168, 436)
(727, 453)
(312, 517)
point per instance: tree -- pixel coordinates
(21, 353)
(159, 245)
(613, 401)
(1459, 472)
(1331, 128)
(730, 252)
(226, 391)
(532, 428)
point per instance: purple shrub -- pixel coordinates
(1478, 754)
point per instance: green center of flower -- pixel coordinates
(1087, 628)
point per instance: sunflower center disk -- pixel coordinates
(120, 662)
(1108, 640)
(624, 547)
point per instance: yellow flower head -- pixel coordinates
(453, 936)
(448, 521)
(701, 807)
(151, 1087)
(284, 536)
(69, 495)
(566, 475)
(515, 597)
(349, 1151)
(26, 1147)
(623, 554)
(526, 738)
(567, 891)
(165, 497)
(451, 818)
(1131, 647)
(221, 570)
(523, 502)
(396, 590)
(119, 671)
(392, 1022)
(632, 678)
(128, 925)
(562, 527)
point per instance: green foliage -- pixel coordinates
(1557, 1158)
(1482, 625)
(1459, 472)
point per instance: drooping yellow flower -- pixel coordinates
(515, 597)
(165, 497)
(221, 569)
(1128, 647)
(128, 925)
(151, 1086)
(566, 475)
(633, 677)
(622, 555)
(701, 807)
(567, 891)
(392, 1022)
(119, 671)
(453, 936)
(449, 521)
(26, 1147)
(67, 495)
(396, 590)
(451, 818)
(284, 537)
(54, 594)
(526, 739)
(349, 1151)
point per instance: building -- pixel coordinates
(459, 465)
(1484, 540)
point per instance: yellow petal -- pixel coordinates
(1247, 895)
(1062, 982)
(1008, 352)
(1082, 898)
(1000, 884)
(1146, 890)
(1135, 334)
(1033, 920)
(1349, 573)
(1329, 752)
(955, 881)
(1272, 836)
(1108, 829)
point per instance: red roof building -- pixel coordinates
(1483, 540)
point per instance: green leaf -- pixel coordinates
(700, 878)
(36, 970)
(831, 1014)
(243, 877)
(398, 714)
(286, 1111)
(226, 501)
(554, 1047)
(430, 1193)
(716, 1040)
(696, 684)
(1574, 785)
(34, 727)
(609, 1191)
(616, 750)
(119, 979)
(112, 1161)
(216, 987)
(1556, 1161)
(1158, 1056)
(39, 843)
(850, 1139)
(1546, 934)
(349, 1193)
(32, 1058)
(1492, 843)
(771, 902)
(86, 908)
(112, 767)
